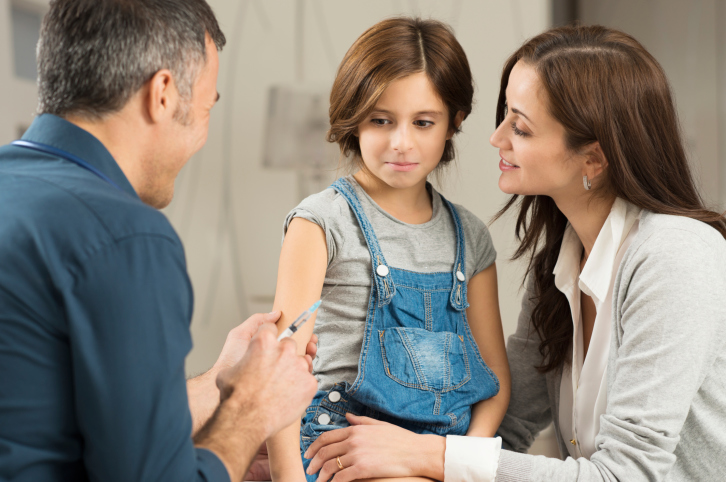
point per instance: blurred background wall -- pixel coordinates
(233, 195)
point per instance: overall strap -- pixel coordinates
(381, 272)
(458, 290)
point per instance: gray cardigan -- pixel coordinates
(666, 374)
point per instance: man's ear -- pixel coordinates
(595, 161)
(458, 119)
(163, 98)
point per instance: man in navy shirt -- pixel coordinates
(95, 300)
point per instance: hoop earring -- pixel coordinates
(587, 183)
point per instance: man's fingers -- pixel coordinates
(250, 326)
(265, 329)
(289, 346)
(312, 348)
(310, 363)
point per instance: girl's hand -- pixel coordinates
(370, 449)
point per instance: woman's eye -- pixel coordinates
(380, 122)
(518, 131)
(423, 123)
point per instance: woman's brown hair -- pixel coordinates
(388, 51)
(601, 85)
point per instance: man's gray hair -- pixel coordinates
(93, 55)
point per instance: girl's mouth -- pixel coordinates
(402, 166)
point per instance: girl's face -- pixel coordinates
(403, 139)
(534, 157)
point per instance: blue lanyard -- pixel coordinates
(36, 146)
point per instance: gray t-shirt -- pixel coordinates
(426, 248)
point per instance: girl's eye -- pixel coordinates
(517, 131)
(423, 123)
(380, 122)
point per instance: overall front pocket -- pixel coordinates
(426, 360)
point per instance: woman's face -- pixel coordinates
(534, 158)
(403, 139)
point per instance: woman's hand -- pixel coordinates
(370, 449)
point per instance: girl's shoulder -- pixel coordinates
(328, 209)
(327, 203)
(471, 223)
(480, 251)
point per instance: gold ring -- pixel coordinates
(340, 464)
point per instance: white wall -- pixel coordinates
(18, 97)
(260, 52)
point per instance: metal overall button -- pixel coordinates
(323, 419)
(382, 270)
(460, 276)
(334, 397)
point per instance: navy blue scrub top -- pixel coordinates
(95, 308)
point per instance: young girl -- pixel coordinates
(411, 332)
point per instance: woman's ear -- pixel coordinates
(458, 119)
(595, 161)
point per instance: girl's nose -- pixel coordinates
(401, 139)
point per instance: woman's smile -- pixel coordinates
(506, 166)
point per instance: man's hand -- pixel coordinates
(266, 391)
(238, 339)
(202, 390)
(271, 381)
(260, 468)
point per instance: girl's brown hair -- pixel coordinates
(601, 85)
(388, 51)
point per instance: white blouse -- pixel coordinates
(583, 390)
(583, 394)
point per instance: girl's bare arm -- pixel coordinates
(486, 326)
(300, 277)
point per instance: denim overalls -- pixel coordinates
(419, 365)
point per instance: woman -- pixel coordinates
(620, 340)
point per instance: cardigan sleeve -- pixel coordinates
(668, 332)
(529, 410)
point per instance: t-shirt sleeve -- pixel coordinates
(319, 209)
(129, 309)
(480, 252)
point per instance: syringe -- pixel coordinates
(305, 316)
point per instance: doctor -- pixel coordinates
(95, 299)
